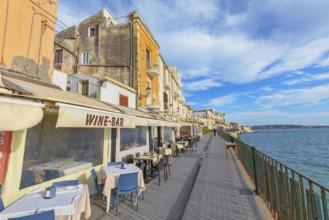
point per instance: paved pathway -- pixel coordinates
(210, 191)
(219, 190)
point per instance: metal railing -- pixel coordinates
(287, 193)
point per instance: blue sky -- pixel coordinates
(259, 62)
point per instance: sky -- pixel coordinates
(259, 62)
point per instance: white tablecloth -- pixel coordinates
(112, 174)
(69, 201)
(117, 170)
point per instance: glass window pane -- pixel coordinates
(167, 135)
(132, 137)
(51, 153)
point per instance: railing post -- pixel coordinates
(254, 165)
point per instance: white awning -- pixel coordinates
(18, 114)
(82, 117)
(146, 122)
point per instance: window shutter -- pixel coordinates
(123, 100)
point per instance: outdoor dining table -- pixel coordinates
(112, 174)
(68, 204)
(181, 145)
(149, 161)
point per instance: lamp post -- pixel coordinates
(148, 89)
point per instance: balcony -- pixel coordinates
(154, 105)
(166, 84)
(153, 71)
(176, 95)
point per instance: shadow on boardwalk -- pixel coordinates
(214, 190)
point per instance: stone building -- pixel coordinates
(210, 118)
(101, 46)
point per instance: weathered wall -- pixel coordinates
(67, 41)
(27, 36)
(109, 51)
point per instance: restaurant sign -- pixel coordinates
(84, 118)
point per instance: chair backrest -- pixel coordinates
(129, 158)
(141, 166)
(51, 174)
(94, 174)
(115, 163)
(127, 183)
(2, 206)
(160, 164)
(66, 183)
(48, 215)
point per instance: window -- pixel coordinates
(185, 131)
(58, 56)
(85, 58)
(92, 32)
(85, 87)
(123, 100)
(52, 153)
(148, 59)
(132, 137)
(165, 101)
(167, 137)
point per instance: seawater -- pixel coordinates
(304, 150)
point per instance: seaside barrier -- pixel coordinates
(287, 193)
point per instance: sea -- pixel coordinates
(304, 150)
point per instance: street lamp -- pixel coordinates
(148, 89)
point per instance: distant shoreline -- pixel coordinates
(258, 127)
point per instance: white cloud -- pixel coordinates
(201, 85)
(308, 78)
(73, 12)
(266, 89)
(222, 101)
(324, 62)
(300, 57)
(306, 96)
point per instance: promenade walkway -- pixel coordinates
(214, 190)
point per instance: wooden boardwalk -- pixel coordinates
(213, 190)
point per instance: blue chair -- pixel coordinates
(51, 174)
(127, 184)
(115, 163)
(97, 187)
(2, 206)
(66, 183)
(48, 215)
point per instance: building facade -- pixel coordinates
(27, 32)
